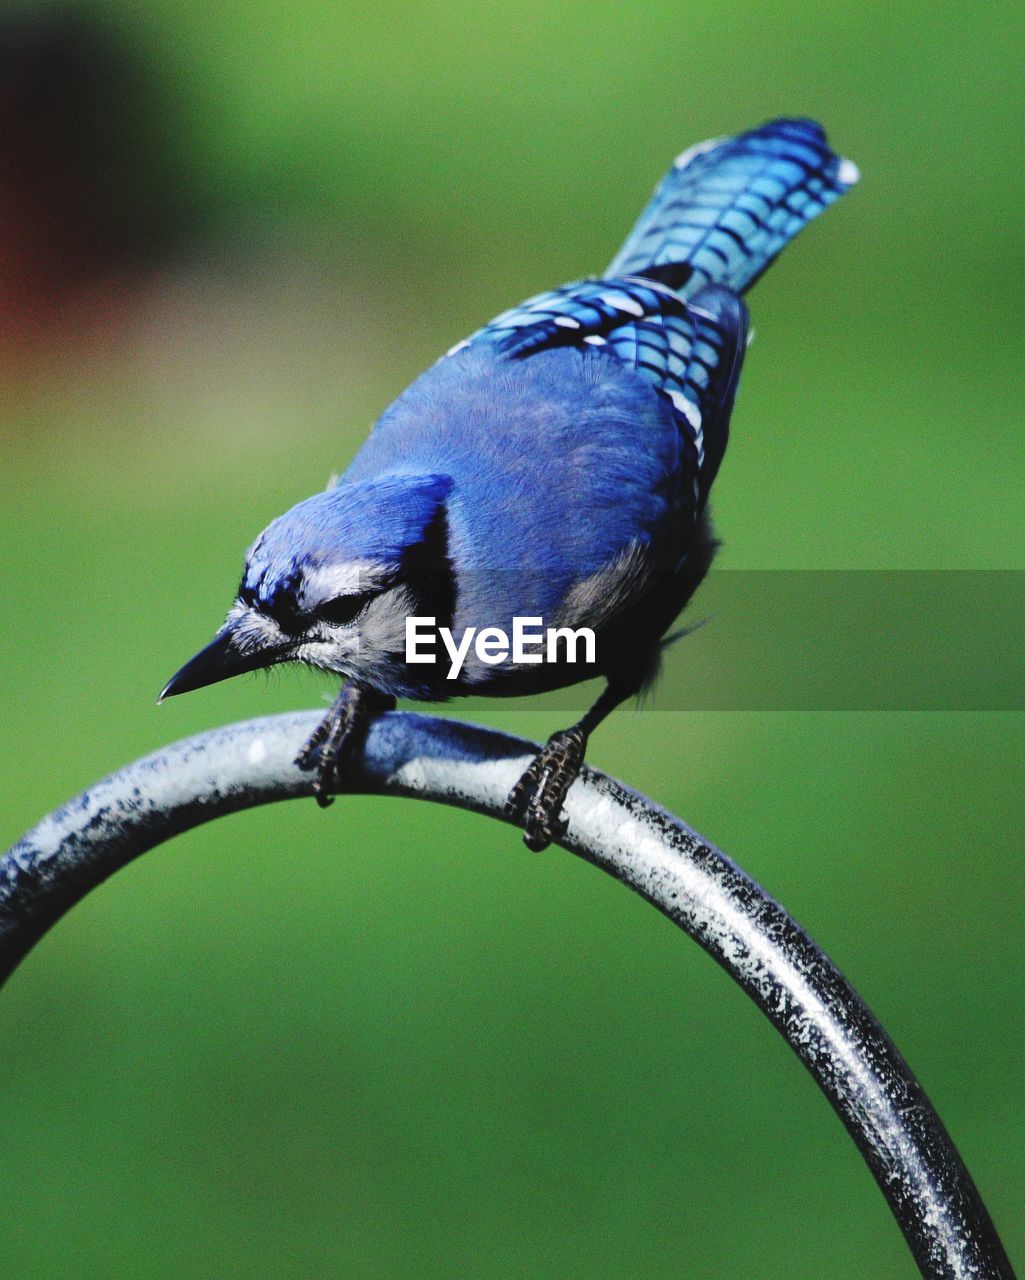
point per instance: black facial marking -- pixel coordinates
(427, 569)
(282, 607)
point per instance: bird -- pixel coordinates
(553, 469)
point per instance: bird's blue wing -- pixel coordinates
(690, 351)
(729, 205)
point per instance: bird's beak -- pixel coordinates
(223, 658)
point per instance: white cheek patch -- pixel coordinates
(339, 656)
(383, 626)
(367, 648)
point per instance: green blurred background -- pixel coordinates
(386, 1041)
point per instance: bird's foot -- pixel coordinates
(338, 736)
(538, 797)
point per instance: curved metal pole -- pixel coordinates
(822, 1018)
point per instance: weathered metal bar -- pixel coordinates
(754, 939)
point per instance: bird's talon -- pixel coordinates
(338, 737)
(535, 843)
(537, 799)
(313, 749)
(515, 805)
(321, 794)
(314, 757)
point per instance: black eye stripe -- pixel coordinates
(343, 609)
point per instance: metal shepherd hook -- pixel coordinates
(750, 935)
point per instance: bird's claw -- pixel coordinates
(323, 752)
(332, 744)
(538, 797)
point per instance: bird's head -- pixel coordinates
(331, 582)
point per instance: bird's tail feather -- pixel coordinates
(728, 206)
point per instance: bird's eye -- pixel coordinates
(342, 609)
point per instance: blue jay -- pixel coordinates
(554, 467)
